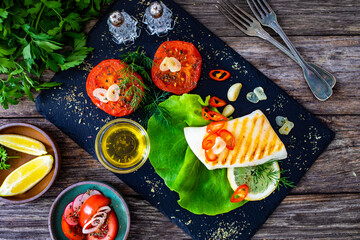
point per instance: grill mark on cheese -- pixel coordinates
(257, 140)
(271, 147)
(248, 141)
(239, 141)
(265, 142)
(236, 129)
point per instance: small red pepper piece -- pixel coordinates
(215, 116)
(205, 113)
(209, 141)
(217, 102)
(215, 127)
(210, 156)
(240, 193)
(219, 74)
(228, 138)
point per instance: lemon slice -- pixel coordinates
(259, 188)
(23, 144)
(26, 176)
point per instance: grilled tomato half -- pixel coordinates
(176, 67)
(114, 88)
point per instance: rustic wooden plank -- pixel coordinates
(314, 217)
(298, 217)
(297, 17)
(338, 54)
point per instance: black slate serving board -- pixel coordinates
(72, 111)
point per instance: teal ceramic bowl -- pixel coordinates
(69, 194)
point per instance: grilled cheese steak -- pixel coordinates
(256, 142)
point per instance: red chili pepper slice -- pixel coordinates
(219, 74)
(228, 138)
(215, 127)
(209, 141)
(205, 113)
(240, 193)
(210, 156)
(215, 116)
(217, 102)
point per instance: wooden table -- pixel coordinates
(325, 204)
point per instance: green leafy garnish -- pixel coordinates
(38, 35)
(200, 191)
(140, 63)
(264, 172)
(152, 107)
(3, 158)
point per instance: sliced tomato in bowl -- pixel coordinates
(72, 232)
(186, 78)
(108, 230)
(91, 206)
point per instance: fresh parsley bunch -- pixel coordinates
(36, 35)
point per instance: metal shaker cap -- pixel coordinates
(116, 18)
(156, 10)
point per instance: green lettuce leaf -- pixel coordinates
(201, 191)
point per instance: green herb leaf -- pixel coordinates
(137, 62)
(34, 36)
(3, 158)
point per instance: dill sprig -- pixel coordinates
(3, 158)
(270, 175)
(151, 107)
(137, 62)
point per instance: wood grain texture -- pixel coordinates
(297, 17)
(326, 202)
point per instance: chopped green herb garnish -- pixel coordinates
(38, 35)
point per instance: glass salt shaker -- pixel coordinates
(158, 18)
(123, 28)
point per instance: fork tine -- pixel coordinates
(222, 10)
(263, 7)
(268, 6)
(251, 5)
(245, 13)
(233, 6)
(238, 17)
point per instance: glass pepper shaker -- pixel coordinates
(158, 19)
(123, 28)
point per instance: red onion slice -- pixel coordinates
(77, 203)
(97, 220)
(88, 194)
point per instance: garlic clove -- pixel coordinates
(113, 93)
(219, 146)
(100, 93)
(170, 63)
(228, 110)
(174, 64)
(164, 65)
(234, 91)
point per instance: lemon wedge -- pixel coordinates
(260, 187)
(26, 176)
(23, 144)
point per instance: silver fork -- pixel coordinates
(251, 27)
(267, 17)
